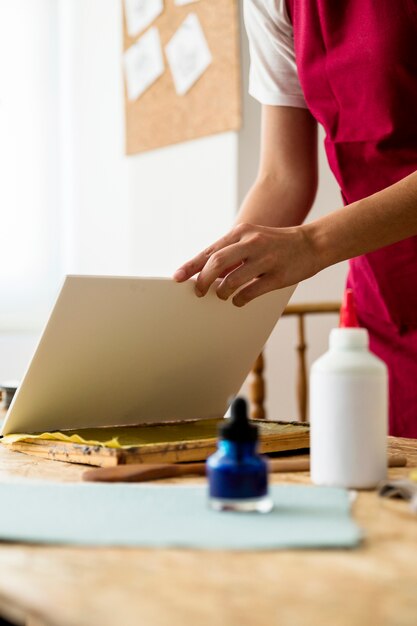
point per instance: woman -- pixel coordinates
(351, 66)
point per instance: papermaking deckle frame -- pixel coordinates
(181, 69)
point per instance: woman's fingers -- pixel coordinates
(235, 279)
(217, 264)
(259, 286)
(196, 264)
(191, 267)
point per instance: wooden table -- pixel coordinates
(375, 584)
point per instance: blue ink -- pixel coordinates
(238, 476)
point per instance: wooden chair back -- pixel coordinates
(257, 384)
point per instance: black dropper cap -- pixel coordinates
(237, 427)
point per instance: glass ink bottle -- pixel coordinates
(237, 475)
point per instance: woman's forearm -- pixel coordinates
(278, 202)
(361, 227)
(286, 184)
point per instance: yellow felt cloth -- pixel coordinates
(126, 436)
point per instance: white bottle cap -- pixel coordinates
(349, 339)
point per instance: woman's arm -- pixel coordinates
(271, 258)
(286, 185)
(374, 222)
(266, 258)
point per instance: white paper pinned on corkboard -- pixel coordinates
(160, 116)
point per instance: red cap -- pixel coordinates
(348, 318)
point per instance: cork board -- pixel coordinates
(160, 117)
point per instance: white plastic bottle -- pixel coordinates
(348, 409)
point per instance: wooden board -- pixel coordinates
(213, 104)
(274, 437)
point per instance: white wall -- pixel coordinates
(29, 247)
(148, 213)
(143, 214)
(29, 255)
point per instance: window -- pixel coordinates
(29, 164)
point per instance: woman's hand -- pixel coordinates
(253, 260)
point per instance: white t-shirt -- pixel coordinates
(273, 77)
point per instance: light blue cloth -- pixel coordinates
(172, 516)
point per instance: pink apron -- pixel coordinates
(357, 63)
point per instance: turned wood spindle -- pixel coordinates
(302, 370)
(257, 389)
